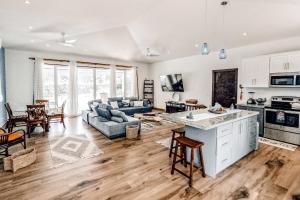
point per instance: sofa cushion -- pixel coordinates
(118, 113)
(117, 119)
(90, 103)
(126, 102)
(102, 112)
(114, 104)
(115, 99)
(132, 110)
(138, 104)
(132, 98)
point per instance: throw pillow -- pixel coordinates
(103, 113)
(118, 113)
(114, 104)
(94, 108)
(117, 119)
(126, 102)
(138, 103)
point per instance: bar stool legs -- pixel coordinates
(184, 142)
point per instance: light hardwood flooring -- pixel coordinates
(141, 170)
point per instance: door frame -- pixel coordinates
(236, 70)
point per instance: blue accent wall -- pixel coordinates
(3, 115)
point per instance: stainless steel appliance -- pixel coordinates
(251, 99)
(282, 119)
(285, 80)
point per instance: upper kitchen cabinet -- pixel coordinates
(285, 63)
(255, 72)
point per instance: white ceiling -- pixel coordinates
(123, 29)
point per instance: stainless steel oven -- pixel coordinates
(285, 80)
(282, 120)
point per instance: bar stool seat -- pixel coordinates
(181, 132)
(184, 142)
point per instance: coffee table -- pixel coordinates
(146, 117)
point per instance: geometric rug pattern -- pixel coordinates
(165, 142)
(70, 149)
(149, 125)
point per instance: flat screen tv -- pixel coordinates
(171, 83)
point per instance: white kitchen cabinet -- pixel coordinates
(285, 63)
(255, 72)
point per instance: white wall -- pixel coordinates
(197, 71)
(19, 73)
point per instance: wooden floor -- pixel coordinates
(141, 170)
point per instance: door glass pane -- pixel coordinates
(85, 87)
(102, 82)
(48, 84)
(62, 84)
(129, 83)
(120, 83)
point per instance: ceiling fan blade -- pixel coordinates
(71, 41)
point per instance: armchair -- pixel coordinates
(9, 139)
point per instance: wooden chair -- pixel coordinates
(14, 120)
(10, 139)
(42, 102)
(58, 114)
(36, 116)
(180, 132)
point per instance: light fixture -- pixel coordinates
(32, 41)
(222, 54)
(245, 34)
(30, 27)
(47, 45)
(204, 47)
(27, 2)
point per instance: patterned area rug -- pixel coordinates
(148, 126)
(70, 149)
(165, 142)
(279, 144)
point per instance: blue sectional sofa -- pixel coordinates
(109, 128)
(131, 110)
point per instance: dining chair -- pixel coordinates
(42, 102)
(36, 116)
(57, 114)
(14, 120)
(8, 139)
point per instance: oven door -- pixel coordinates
(282, 120)
(282, 80)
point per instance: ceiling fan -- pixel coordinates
(151, 53)
(66, 42)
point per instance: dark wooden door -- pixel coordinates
(224, 89)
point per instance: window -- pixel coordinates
(129, 87)
(55, 84)
(120, 83)
(102, 82)
(85, 87)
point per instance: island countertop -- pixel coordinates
(205, 120)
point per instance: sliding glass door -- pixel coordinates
(86, 86)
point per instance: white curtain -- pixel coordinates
(38, 79)
(72, 106)
(135, 82)
(113, 81)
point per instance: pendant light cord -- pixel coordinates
(224, 3)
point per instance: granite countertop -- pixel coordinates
(205, 120)
(252, 105)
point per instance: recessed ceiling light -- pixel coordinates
(85, 50)
(245, 34)
(27, 2)
(196, 45)
(47, 45)
(30, 27)
(32, 40)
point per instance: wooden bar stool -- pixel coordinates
(192, 144)
(181, 132)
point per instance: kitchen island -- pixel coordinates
(227, 137)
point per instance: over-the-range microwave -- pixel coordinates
(285, 79)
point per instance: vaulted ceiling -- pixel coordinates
(123, 29)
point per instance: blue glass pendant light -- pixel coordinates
(222, 54)
(204, 49)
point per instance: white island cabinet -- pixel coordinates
(227, 137)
